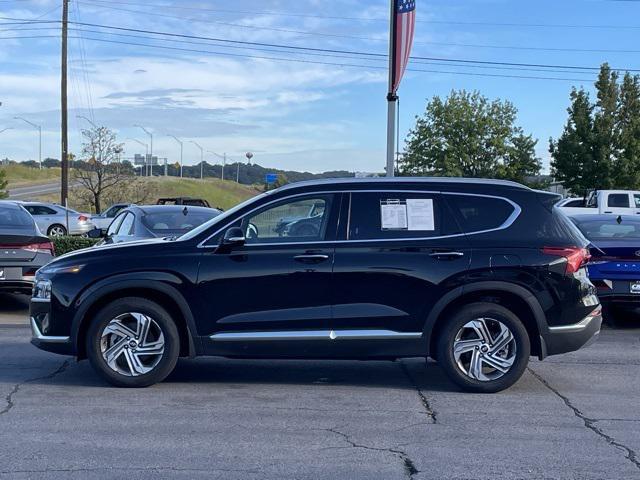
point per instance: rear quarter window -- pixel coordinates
(479, 213)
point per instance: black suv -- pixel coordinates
(477, 274)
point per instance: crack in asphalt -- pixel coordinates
(409, 467)
(16, 388)
(431, 413)
(590, 423)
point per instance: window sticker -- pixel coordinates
(420, 214)
(393, 215)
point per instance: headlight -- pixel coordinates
(42, 290)
(51, 269)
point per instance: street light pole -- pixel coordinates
(181, 150)
(146, 146)
(224, 161)
(151, 149)
(39, 137)
(201, 158)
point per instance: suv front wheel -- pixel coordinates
(133, 342)
(484, 348)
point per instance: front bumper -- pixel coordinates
(568, 338)
(44, 335)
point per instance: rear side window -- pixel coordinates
(618, 200)
(397, 215)
(477, 214)
(574, 203)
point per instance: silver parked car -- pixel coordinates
(103, 220)
(52, 219)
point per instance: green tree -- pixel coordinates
(469, 135)
(3, 184)
(573, 161)
(600, 145)
(626, 171)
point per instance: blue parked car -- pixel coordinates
(615, 260)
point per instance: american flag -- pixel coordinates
(404, 28)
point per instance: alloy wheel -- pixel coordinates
(484, 349)
(132, 344)
(57, 232)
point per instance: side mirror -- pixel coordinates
(95, 233)
(234, 237)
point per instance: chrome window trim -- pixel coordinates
(37, 334)
(507, 223)
(314, 335)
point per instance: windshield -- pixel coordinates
(610, 229)
(220, 218)
(164, 222)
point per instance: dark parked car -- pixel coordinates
(615, 264)
(23, 248)
(478, 274)
(153, 221)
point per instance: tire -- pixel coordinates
(482, 345)
(56, 231)
(139, 357)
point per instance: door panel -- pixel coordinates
(276, 287)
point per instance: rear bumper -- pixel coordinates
(568, 338)
(24, 285)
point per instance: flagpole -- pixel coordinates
(391, 96)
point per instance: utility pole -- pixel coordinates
(64, 160)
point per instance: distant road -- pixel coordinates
(21, 193)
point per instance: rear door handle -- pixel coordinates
(311, 258)
(443, 255)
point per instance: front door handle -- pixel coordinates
(311, 258)
(444, 255)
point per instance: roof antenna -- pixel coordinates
(619, 219)
(185, 211)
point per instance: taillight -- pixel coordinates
(46, 247)
(82, 218)
(576, 256)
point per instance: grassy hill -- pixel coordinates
(218, 193)
(21, 175)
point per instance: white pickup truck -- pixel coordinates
(615, 202)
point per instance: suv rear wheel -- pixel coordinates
(484, 348)
(133, 342)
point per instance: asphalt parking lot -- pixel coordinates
(570, 417)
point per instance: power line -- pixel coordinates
(344, 56)
(337, 64)
(366, 19)
(349, 52)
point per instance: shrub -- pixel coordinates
(68, 244)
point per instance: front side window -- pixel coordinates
(618, 200)
(295, 220)
(397, 215)
(636, 199)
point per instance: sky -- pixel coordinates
(301, 110)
